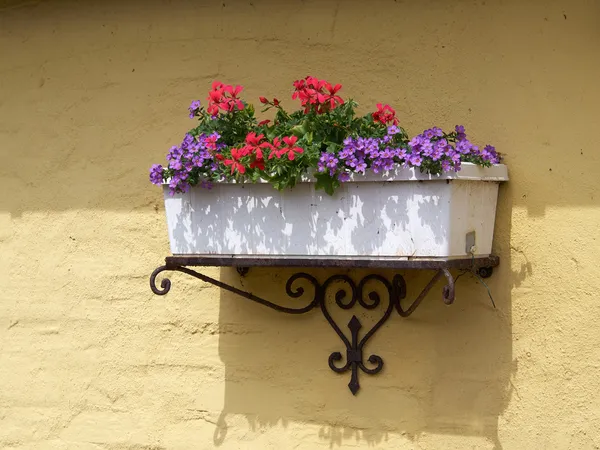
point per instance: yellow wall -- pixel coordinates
(93, 93)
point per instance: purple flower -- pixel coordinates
(489, 154)
(178, 185)
(346, 152)
(388, 164)
(437, 131)
(175, 164)
(416, 141)
(372, 146)
(376, 166)
(156, 174)
(327, 161)
(386, 153)
(460, 132)
(415, 159)
(393, 129)
(174, 153)
(344, 176)
(446, 166)
(464, 146)
(198, 161)
(194, 107)
(374, 153)
(437, 154)
(361, 166)
(187, 140)
(438, 149)
(427, 148)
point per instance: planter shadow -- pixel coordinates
(447, 369)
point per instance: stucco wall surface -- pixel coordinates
(93, 93)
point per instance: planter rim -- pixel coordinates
(468, 172)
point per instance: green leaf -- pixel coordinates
(331, 146)
(326, 182)
(299, 130)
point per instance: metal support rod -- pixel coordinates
(345, 298)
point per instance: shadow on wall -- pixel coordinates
(447, 369)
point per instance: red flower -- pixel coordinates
(234, 162)
(232, 101)
(290, 148)
(233, 91)
(266, 101)
(275, 149)
(385, 115)
(216, 85)
(215, 96)
(332, 98)
(258, 164)
(255, 143)
(312, 91)
(211, 142)
(225, 97)
(264, 122)
(245, 151)
(253, 139)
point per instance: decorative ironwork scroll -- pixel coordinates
(346, 297)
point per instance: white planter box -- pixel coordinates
(398, 214)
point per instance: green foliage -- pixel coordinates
(315, 133)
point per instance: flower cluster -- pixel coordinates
(433, 149)
(326, 134)
(224, 97)
(385, 115)
(317, 94)
(195, 153)
(195, 108)
(256, 148)
(359, 154)
(448, 150)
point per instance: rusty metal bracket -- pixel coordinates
(347, 296)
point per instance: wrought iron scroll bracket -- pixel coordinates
(347, 296)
